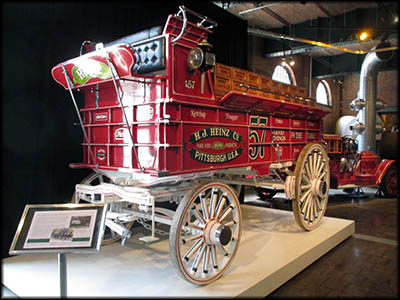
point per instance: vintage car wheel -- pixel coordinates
(95, 178)
(239, 195)
(311, 186)
(389, 184)
(349, 190)
(265, 193)
(205, 232)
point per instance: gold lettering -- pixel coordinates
(197, 136)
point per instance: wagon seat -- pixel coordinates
(150, 45)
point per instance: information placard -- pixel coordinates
(60, 228)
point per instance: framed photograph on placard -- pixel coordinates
(60, 228)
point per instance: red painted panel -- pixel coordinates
(295, 123)
(280, 136)
(231, 117)
(313, 136)
(296, 149)
(313, 124)
(199, 114)
(279, 122)
(298, 136)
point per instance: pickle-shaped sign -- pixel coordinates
(86, 69)
(215, 145)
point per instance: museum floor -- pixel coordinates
(364, 265)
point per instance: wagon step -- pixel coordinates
(149, 239)
(281, 165)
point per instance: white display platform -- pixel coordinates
(272, 250)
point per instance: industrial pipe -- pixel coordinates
(368, 93)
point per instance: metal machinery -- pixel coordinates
(156, 132)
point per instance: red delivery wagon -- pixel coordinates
(162, 122)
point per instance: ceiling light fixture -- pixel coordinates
(363, 36)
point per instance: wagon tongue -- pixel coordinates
(95, 67)
(242, 101)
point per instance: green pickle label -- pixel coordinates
(87, 69)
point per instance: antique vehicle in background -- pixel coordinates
(164, 123)
(352, 169)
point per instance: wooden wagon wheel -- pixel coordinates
(311, 186)
(205, 232)
(95, 178)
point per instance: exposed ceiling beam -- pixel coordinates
(259, 7)
(393, 29)
(323, 9)
(275, 16)
(317, 46)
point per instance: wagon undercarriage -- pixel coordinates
(205, 227)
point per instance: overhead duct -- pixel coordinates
(334, 49)
(368, 93)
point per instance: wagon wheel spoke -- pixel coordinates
(221, 205)
(213, 202)
(204, 207)
(311, 186)
(205, 232)
(206, 259)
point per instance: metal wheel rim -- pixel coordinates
(110, 236)
(312, 186)
(192, 250)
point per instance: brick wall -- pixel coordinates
(387, 89)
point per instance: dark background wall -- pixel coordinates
(39, 139)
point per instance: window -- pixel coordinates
(284, 73)
(323, 93)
